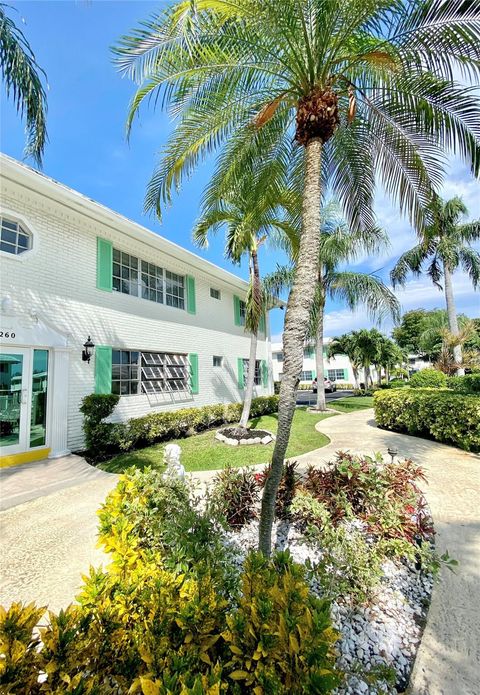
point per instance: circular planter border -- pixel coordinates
(266, 439)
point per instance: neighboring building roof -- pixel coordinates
(21, 174)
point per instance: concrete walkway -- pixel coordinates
(46, 544)
(19, 484)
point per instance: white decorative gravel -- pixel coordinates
(386, 632)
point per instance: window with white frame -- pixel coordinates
(279, 356)
(135, 372)
(334, 374)
(141, 279)
(306, 375)
(217, 361)
(258, 373)
(214, 293)
(14, 238)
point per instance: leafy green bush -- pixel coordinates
(236, 495)
(469, 383)
(438, 414)
(104, 439)
(286, 489)
(428, 378)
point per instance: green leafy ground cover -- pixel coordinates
(203, 452)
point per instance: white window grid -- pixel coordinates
(214, 293)
(146, 280)
(334, 374)
(125, 372)
(258, 374)
(135, 372)
(306, 375)
(14, 238)
(217, 361)
(279, 356)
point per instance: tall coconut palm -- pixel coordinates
(22, 78)
(339, 245)
(348, 91)
(447, 245)
(249, 212)
(389, 356)
(367, 346)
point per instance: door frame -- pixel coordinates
(25, 400)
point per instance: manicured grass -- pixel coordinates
(346, 405)
(203, 452)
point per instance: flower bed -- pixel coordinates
(187, 607)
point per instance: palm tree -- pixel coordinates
(346, 345)
(367, 345)
(389, 356)
(22, 77)
(446, 244)
(250, 211)
(339, 244)
(346, 91)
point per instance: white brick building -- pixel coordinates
(166, 324)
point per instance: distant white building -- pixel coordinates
(337, 368)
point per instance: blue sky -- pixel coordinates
(88, 151)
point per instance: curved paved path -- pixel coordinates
(46, 544)
(448, 661)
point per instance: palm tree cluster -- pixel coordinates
(343, 94)
(365, 348)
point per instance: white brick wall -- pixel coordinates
(58, 280)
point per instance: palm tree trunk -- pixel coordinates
(379, 374)
(355, 377)
(247, 402)
(297, 318)
(452, 317)
(321, 401)
(367, 375)
(255, 298)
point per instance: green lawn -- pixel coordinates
(346, 405)
(203, 452)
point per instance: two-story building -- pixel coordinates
(167, 326)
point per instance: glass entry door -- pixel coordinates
(15, 370)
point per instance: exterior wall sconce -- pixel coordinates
(392, 452)
(87, 351)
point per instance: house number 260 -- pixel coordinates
(7, 334)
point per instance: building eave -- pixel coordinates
(21, 174)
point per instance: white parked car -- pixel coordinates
(330, 386)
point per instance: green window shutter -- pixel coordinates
(314, 374)
(241, 384)
(191, 301)
(104, 264)
(103, 369)
(236, 310)
(193, 359)
(345, 374)
(264, 372)
(262, 324)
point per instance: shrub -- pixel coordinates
(469, 383)
(104, 439)
(286, 489)
(438, 414)
(280, 636)
(236, 495)
(428, 378)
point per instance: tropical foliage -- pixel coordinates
(438, 414)
(447, 244)
(345, 91)
(24, 83)
(250, 212)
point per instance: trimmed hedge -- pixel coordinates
(470, 383)
(428, 378)
(438, 414)
(105, 439)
